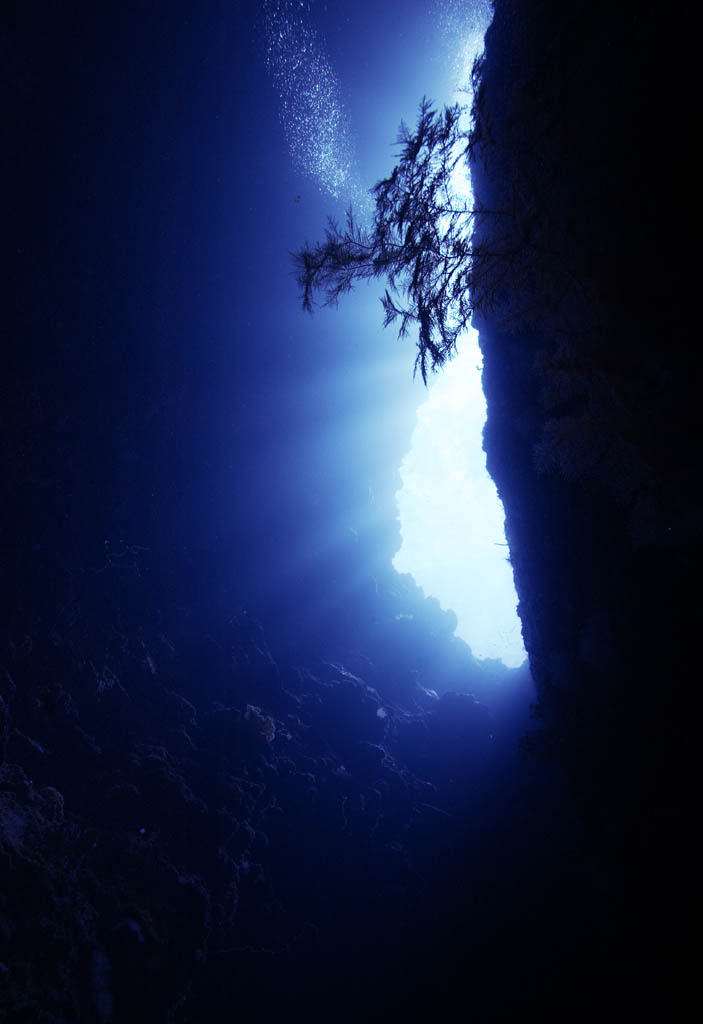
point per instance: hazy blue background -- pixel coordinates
(176, 158)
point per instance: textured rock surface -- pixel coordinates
(170, 847)
(592, 418)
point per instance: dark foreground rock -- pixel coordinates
(593, 413)
(172, 849)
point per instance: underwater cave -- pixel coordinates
(327, 693)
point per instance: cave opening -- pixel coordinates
(451, 518)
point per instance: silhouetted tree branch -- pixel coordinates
(443, 255)
(419, 241)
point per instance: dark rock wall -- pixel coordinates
(593, 414)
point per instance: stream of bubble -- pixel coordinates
(315, 123)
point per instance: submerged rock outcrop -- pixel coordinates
(188, 824)
(592, 415)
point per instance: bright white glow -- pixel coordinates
(452, 520)
(451, 517)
